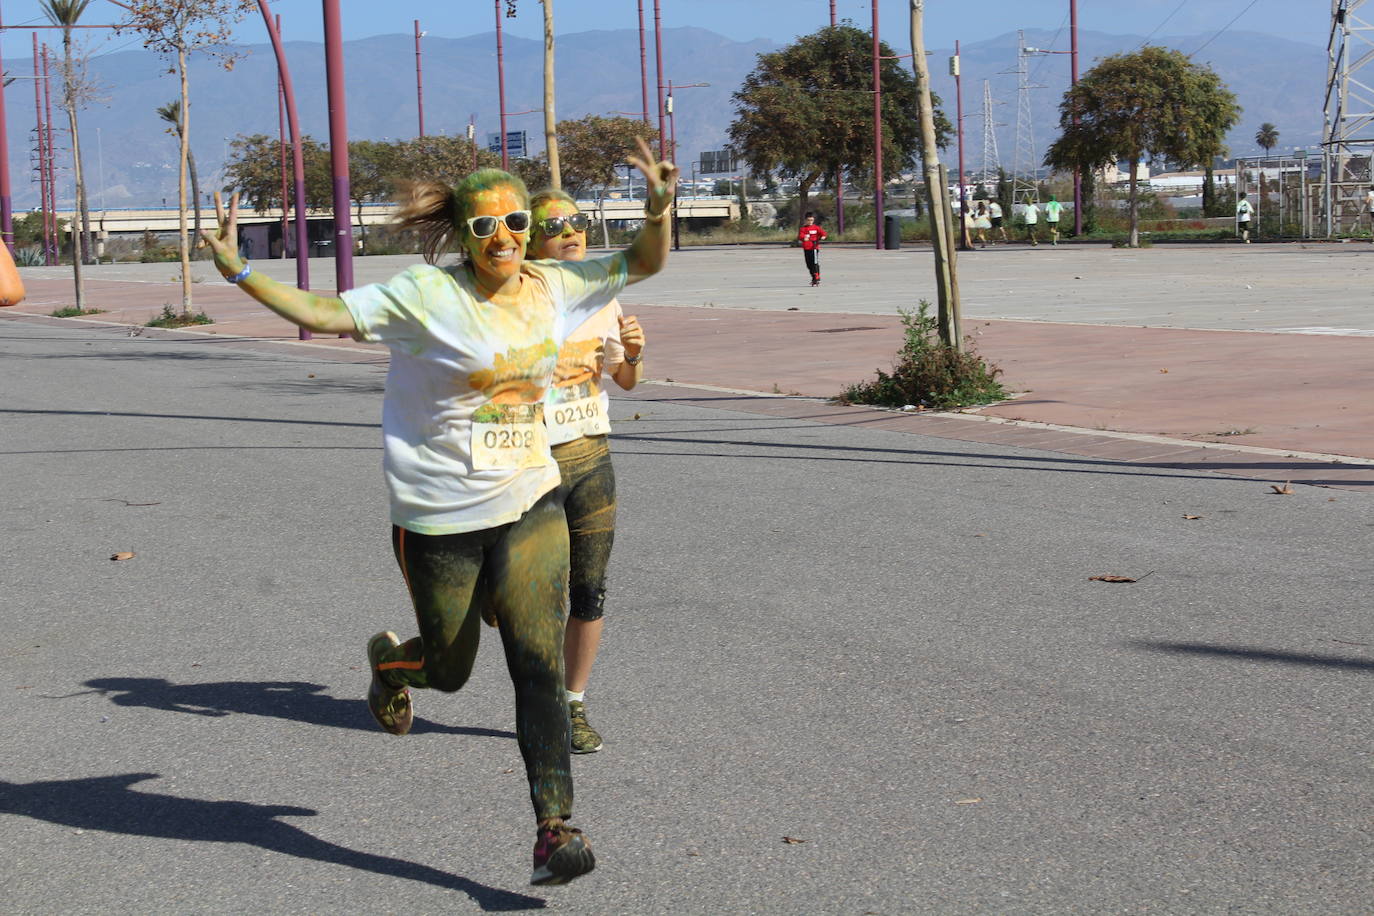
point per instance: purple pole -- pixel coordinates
(501, 89)
(338, 146)
(297, 157)
(419, 80)
(6, 208)
(1077, 173)
(643, 64)
(877, 136)
(281, 152)
(658, 64)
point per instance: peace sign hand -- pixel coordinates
(224, 240)
(660, 176)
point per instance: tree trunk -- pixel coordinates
(185, 149)
(195, 191)
(803, 196)
(935, 189)
(1209, 192)
(362, 229)
(69, 97)
(550, 121)
(1133, 205)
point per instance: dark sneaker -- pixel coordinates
(389, 705)
(585, 740)
(561, 853)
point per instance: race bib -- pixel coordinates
(509, 437)
(584, 416)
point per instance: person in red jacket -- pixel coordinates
(810, 235)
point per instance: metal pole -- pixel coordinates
(877, 137)
(293, 123)
(338, 146)
(1073, 81)
(832, 13)
(672, 154)
(51, 161)
(643, 64)
(42, 154)
(6, 197)
(658, 63)
(959, 116)
(501, 88)
(419, 79)
(472, 138)
(839, 172)
(281, 153)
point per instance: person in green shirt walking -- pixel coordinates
(1052, 211)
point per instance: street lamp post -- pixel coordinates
(658, 63)
(672, 142)
(6, 197)
(877, 137)
(643, 64)
(419, 78)
(501, 88)
(338, 145)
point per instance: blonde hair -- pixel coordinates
(440, 213)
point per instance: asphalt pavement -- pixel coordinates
(851, 667)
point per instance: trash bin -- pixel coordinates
(892, 231)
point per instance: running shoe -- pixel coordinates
(390, 706)
(585, 740)
(561, 853)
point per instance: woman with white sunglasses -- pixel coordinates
(576, 412)
(477, 526)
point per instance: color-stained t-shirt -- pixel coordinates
(1243, 211)
(1032, 213)
(577, 405)
(464, 442)
(811, 236)
(1052, 211)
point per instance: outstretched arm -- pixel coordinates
(649, 251)
(322, 314)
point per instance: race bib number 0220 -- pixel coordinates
(581, 417)
(508, 437)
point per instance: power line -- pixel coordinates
(1155, 30)
(1225, 27)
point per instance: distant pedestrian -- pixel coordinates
(982, 223)
(1243, 211)
(810, 235)
(995, 217)
(1369, 208)
(1053, 209)
(1032, 217)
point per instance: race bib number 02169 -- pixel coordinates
(581, 417)
(508, 437)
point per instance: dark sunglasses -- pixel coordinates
(484, 227)
(554, 225)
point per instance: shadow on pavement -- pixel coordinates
(186, 416)
(297, 701)
(108, 803)
(1247, 653)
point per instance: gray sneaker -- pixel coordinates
(585, 740)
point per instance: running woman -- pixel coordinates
(576, 412)
(810, 235)
(476, 521)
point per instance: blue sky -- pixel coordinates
(779, 20)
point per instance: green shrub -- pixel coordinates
(929, 373)
(173, 319)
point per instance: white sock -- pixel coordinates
(575, 697)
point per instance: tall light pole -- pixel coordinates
(42, 156)
(959, 119)
(672, 141)
(338, 145)
(1073, 81)
(643, 64)
(419, 78)
(877, 136)
(839, 170)
(501, 88)
(658, 63)
(6, 196)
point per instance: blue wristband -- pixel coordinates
(242, 275)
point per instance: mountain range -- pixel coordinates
(129, 156)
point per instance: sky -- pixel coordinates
(779, 20)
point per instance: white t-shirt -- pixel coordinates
(577, 405)
(1243, 211)
(1369, 200)
(994, 209)
(465, 446)
(1052, 211)
(1032, 213)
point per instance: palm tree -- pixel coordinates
(1267, 136)
(66, 13)
(171, 113)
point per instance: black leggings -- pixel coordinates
(813, 264)
(588, 492)
(518, 574)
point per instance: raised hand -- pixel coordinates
(224, 240)
(660, 176)
(631, 335)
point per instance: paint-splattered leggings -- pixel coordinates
(589, 500)
(518, 572)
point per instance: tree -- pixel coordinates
(1267, 136)
(807, 110)
(371, 175)
(594, 147)
(254, 170)
(440, 158)
(176, 29)
(171, 113)
(1152, 103)
(66, 13)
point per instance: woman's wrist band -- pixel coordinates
(634, 360)
(242, 275)
(652, 218)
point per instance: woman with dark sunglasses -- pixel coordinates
(477, 525)
(576, 413)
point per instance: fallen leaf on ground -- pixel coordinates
(1111, 579)
(1284, 490)
(1164, 371)
(1192, 517)
(635, 417)
(792, 841)
(311, 375)
(968, 801)
(124, 555)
